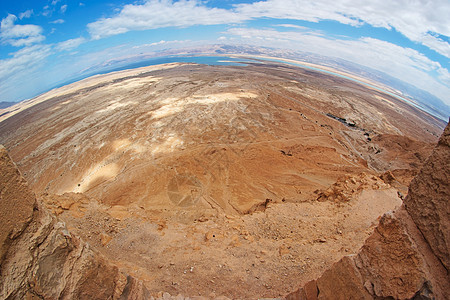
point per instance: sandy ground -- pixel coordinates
(264, 254)
(220, 180)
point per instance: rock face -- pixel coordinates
(428, 200)
(41, 259)
(407, 255)
(16, 205)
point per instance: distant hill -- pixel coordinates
(424, 99)
(6, 104)
(427, 101)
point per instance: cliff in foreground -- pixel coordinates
(407, 255)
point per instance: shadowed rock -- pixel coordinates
(41, 259)
(428, 200)
(407, 255)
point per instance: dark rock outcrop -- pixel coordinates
(407, 255)
(41, 259)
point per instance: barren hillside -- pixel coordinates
(219, 180)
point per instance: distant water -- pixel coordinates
(229, 61)
(206, 60)
(349, 78)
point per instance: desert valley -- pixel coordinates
(238, 182)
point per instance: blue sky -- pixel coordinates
(45, 43)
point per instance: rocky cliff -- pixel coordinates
(407, 255)
(428, 200)
(41, 259)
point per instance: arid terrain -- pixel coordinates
(236, 181)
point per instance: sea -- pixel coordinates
(229, 61)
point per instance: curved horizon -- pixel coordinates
(47, 43)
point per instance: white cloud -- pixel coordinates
(157, 43)
(293, 26)
(26, 14)
(23, 59)
(437, 44)
(59, 21)
(161, 13)
(23, 67)
(312, 11)
(161, 42)
(19, 35)
(63, 8)
(444, 76)
(404, 63)
(54, 2)
(47, 11)
(70, 44)
(414, 19)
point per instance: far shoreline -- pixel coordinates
(92, 79)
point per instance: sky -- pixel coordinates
(44, 43)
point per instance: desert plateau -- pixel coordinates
(255, 181)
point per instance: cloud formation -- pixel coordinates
(19, 35)
(424, 22)
(161, 13)
(70, 44)
(407, 64)
(419, 21)
(26, 14)
(23, 66)
(58, 21)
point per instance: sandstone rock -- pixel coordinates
(389, 265)
(348, 186)
(397, 261)
(16, 203)
(75, 202)
(428, 199)
(41, 259)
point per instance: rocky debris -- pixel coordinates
(388, 178)
(399, 179)
(348, 186)
(404, 176)
(258, 207)
(390, 265)
(167, 296)
(428, 200)
(57, 204)
(397, 261)
(391, 152)
(41, 259)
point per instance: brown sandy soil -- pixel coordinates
(205, 179)
(264, 254)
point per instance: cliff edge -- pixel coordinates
(41, 259)
(407, 255)
(428, 200)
